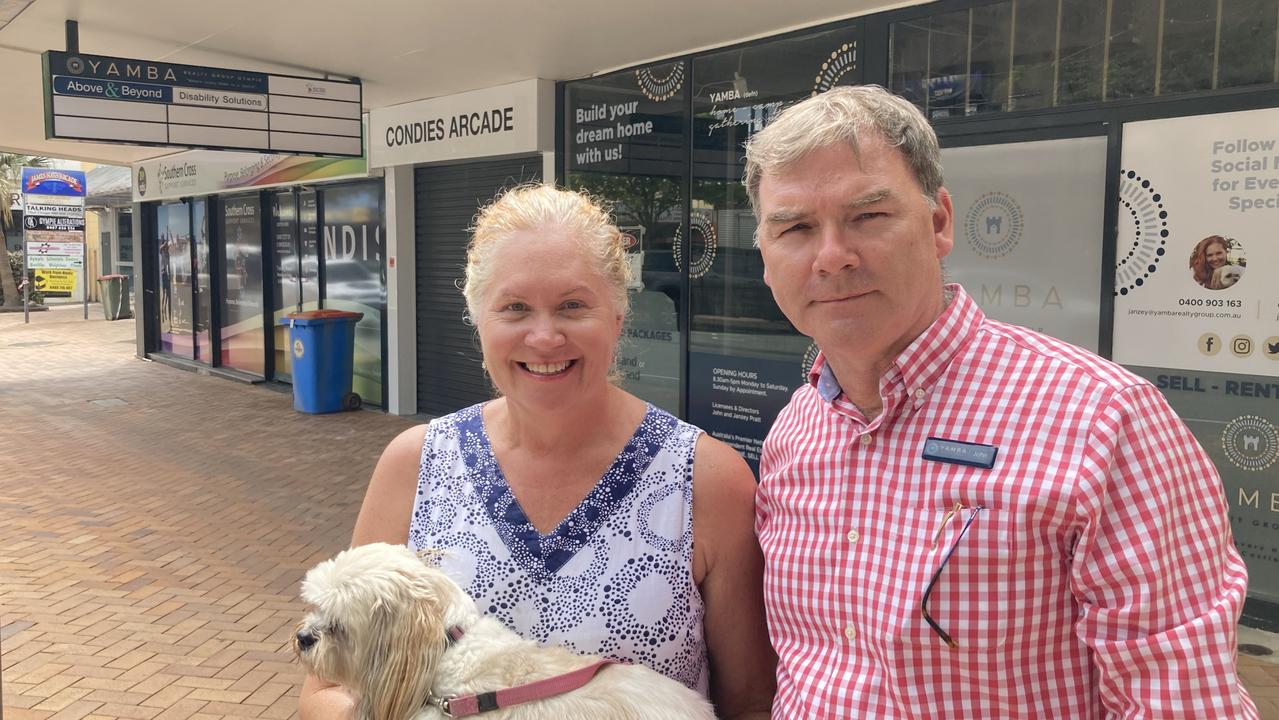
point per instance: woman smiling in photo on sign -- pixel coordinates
(1217, 262)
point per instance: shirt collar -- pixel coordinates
(926, 358)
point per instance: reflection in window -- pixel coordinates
(1247, 52)
(1189, 46)
(1081, 56)
(240, 315)
(624, 143)
(736, 92)
(990, 59)
(1034, 54)
(173, 245)
(203, 288)
(1134, 37)
(948, 65)
(286, 296)
(1028, 54)
(355, 274)
(908, 48)
(124, 235)
(745, 358)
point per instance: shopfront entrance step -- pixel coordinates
(236, 375)
(201, 369)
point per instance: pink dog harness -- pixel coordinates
(467, 705)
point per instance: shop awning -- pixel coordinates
(109, 186)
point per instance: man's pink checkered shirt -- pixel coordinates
(1099, 580)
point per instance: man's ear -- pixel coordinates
(943, 223)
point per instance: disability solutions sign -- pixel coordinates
(139, 102)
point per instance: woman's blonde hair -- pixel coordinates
(537, 205)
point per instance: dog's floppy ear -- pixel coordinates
(406, 640)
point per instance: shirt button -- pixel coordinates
(866, 440)
(920, 393)
(850, 632)
(853, 536)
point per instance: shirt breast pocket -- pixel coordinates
(970, 570)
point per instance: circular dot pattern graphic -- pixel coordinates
(1143, 232)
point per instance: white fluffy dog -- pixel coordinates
(1227, 275)
(405, 639)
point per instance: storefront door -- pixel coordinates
(297, 267)
(449, 374)
(176, 297)
(241, 308)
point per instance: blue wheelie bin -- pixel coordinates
(323, 347)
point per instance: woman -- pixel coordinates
(571, 510)
(1207, 261)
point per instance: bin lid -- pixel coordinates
(323, 315)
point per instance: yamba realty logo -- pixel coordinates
(993, 225)
(1250, 442)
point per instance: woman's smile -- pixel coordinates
(548, 369)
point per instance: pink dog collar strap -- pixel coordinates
(455, 633)
(468, 705)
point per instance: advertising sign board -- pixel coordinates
(1196, 305)
(140, 102)
(1028, 226)
(53, 228)
(506, 120)
(204, 172)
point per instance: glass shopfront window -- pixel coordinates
(124, 246)
(625, 144)
(243, 340)
(173, 243)
(203, 297)
(297, 267)
(1027, 54)
(354, 270)
(745, 358)
(1036, 235)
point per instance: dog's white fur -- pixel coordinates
(379, 628)
(1228, 275)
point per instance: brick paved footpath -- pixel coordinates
(154, 525)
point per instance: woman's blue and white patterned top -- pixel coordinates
(614, 579)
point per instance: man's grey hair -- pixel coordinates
(841, 115)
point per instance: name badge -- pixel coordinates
(960, 453)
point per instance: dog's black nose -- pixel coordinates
(305, 640)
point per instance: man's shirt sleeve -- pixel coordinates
(1159, 582)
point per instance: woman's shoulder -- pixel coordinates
(447, 428)
(714, 458)
(721, 467)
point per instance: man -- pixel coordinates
(962, 518)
